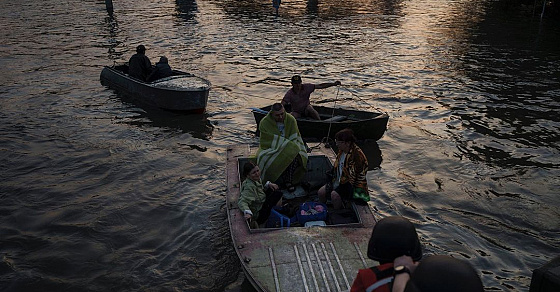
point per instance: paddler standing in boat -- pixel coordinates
(298, 97)
(281, 149)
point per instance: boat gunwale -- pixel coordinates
(113, 70)
(370, 115)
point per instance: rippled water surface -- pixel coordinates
(99, 193)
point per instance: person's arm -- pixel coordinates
(399, 283)
(286, 99)
(327, 85)
(245, 199)
(271, 185)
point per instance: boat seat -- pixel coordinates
(335, 119)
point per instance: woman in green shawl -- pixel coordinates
(254, 202)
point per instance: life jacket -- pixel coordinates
(378, 279)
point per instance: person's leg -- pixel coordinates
(336, 200)
(311, 112)
(273, 198)
(340, 194)
(288, 174)
(296, 114)
(322, 193)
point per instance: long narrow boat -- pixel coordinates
(316, 258)
(181, 92)
(366, 125)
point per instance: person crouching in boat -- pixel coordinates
(281, 152)
(254, 201)
(349, 173)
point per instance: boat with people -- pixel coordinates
(367, 125)
(305, 252)
(182, 91)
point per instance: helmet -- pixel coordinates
(441, 273)
(393, 237)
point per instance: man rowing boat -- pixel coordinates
(298, 97)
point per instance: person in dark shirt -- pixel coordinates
(139, 65)
(162, 70)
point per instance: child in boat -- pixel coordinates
(391, 238)
(254, 201)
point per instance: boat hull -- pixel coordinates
(318, 258)
(366, 125)
(193, 100)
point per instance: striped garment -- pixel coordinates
(354, 171)
(276, 151)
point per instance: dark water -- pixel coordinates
(100, 194)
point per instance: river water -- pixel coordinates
(98, 193)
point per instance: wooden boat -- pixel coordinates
(180, 92)
(366, 125)
(317, 258)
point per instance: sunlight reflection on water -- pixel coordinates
(133, 198)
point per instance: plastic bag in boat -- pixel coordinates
(311, 211)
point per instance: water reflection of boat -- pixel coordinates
(180, 92)
(318, 258)
(372, 152)
(366, 125)
(198, 126)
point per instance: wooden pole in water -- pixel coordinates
(109, 5)
(276, 5)
(543, 6)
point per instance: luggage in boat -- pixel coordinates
(277, 219)
(311, 211)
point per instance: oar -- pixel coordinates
(258, 110)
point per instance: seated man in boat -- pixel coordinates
(256, 201)
(161, 70)
(139, 65)
(281, 149)
(391, 238)
(298, 97)
(349, 172)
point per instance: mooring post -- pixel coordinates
(109, 5)
(543, 6)
(276, 5)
